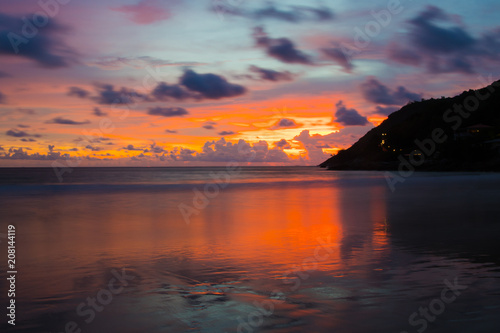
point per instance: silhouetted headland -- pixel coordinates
(460, 133)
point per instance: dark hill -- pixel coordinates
(460, 133)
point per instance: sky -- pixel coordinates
(211, 82)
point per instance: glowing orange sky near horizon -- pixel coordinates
(251, 121)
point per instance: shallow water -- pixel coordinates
(252, 250)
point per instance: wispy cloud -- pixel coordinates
(291, 14)
(440, 48)
(282, 49)
(45, 46)
(98, 112)
(349, 117)
(209, 125)
(375, 92)
(139, 62)
(78, 92)
(285, 123)
(271, 75)
(65, 121)
(145, 12)
(223, 133)
(167, 112)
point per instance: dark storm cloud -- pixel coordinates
(226, 133)
(376, 92)
(98, 112)
(107, 95)
(154, 148)
(25, 137)
(431, 37)
(92, 148)
(17, 134)
(349, 117)
(336, 54)
(131, 147)
(192, 85)
(164, 91)
(167, 112)
(271, 75)
(210, 85)
(292, 14)
(282, 49)
(285, 123)
(64, 121)
(20, 37)
(78, 92)
(489, 44)
(441, 47)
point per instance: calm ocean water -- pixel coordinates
(256, 249)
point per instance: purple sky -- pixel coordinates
(175, 82)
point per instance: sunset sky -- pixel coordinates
(171, 82)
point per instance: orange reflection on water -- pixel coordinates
(253, 231)
(274, 228)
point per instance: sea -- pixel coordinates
(248, 249)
